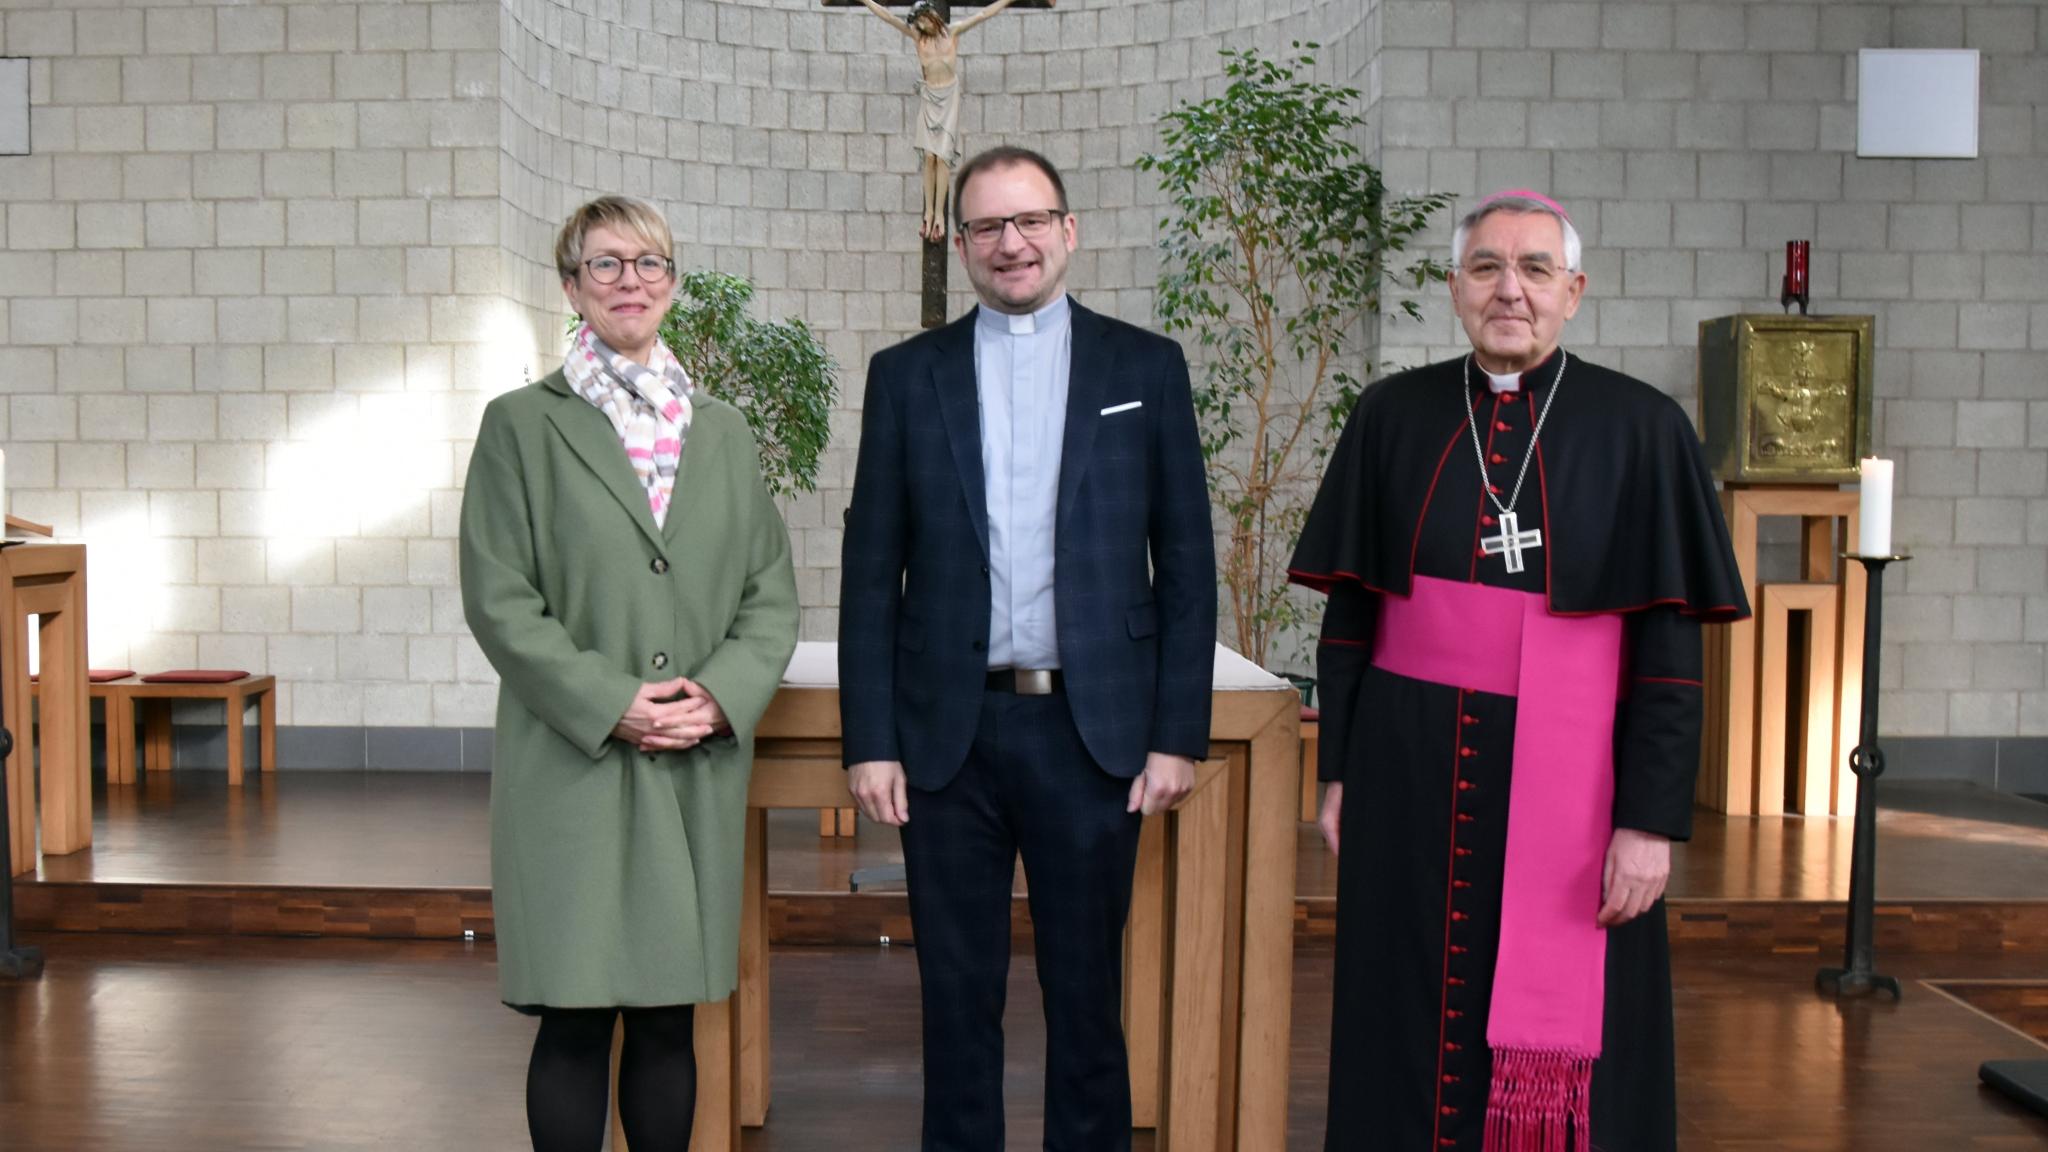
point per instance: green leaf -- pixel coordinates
(1277, 242)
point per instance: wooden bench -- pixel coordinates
(152, 700)
(103, 685)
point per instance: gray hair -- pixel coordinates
(1520, 205)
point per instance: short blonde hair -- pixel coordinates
(623, 214)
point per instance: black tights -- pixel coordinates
(568, 1080)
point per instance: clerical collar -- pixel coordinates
(1512, 381)
(1046, 319)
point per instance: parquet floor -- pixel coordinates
(418, 829)
(153, 1044)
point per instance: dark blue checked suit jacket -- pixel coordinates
(1134, 565)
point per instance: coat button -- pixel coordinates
(660, 566)
(660, 660)
(981, 645)
(1497, 458)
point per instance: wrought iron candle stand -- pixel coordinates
(1858, 976)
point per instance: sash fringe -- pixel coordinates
(1539, 1102)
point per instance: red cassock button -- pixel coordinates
(1459, 917)
(1466, 785)
(1458, 949)
(1448, 1110)
(1463, 851)
(1455, 982)
(1497, 458)
(1466, 752)
(1450, 1079)
(1452, 1046)
(1452, 1013)
(1464, 818)
(1503, 426)
(1461, 883)
(1493, 488)
(1471, 719)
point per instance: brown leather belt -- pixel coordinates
(1025, 681)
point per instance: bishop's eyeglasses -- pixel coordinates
(651, 269)
(984, 231)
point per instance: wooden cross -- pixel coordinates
(943, 6)
(932, 313)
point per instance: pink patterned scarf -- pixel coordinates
(648, 405)
(1549, 983)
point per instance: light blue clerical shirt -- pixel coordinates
(1021, 370)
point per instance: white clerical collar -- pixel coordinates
(1046, 319)
(1511, 382)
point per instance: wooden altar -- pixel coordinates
(46, 581)
(1208, 952)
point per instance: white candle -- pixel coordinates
(1875, 513)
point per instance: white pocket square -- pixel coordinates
(1116, 408)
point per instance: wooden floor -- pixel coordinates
(153, 1044)
(169, 1043)
(383, 829)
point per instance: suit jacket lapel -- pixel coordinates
(1091, 367)
(591, 437)
(953, 378)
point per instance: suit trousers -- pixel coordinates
(1028, 787)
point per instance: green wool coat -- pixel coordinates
(615, 875)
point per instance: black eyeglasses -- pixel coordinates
(984, 230)
(650, 268)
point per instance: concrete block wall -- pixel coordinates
(243, 278)
(775, 136)
(1690, 141)
(269, 260)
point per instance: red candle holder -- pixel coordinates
(1797, 253)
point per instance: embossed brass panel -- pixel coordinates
(1785, 399)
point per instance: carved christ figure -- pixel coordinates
(937, 128)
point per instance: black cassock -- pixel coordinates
(1630, 522)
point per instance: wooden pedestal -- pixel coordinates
(46, 581)
(1742, 761)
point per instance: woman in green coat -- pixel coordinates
(628, 575)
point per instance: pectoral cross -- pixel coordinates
(1511, 541)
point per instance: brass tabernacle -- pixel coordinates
(1785, 399)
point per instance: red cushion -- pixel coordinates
(102, 675)
(195, 676)
(1307, 713)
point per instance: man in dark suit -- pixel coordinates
(1026, 627)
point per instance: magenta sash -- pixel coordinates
(1550, 983)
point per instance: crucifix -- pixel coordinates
(936, 124)
(1511, 541)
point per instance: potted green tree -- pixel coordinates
(778, 374)
(1280, 239)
